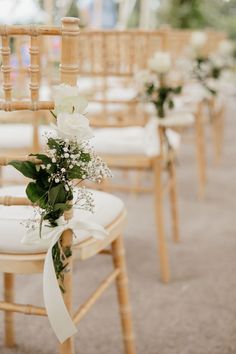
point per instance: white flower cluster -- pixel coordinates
(225, 54)
(83, 199)
(68, 99)
(226, 48)
(32, 223)
(143, 78)
(69, 109)
(96, 169)
(160, 63)
(198, 39)
(158, 66)
(74, 133)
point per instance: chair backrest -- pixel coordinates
(31, 104)
(69, 32)
(117, 53)
(111, 58)
(68, 65)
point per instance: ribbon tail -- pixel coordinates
(97, 231)
(57, 312)
(58, 315)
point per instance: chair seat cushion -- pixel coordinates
(132, 140)
(17, 136)
(12, 218)
(177, 119)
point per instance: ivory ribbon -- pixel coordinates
(57, 312)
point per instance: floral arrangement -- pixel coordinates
(226, 54)
(205, 68)
(152, 84)
(68, 161)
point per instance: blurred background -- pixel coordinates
(194, 14)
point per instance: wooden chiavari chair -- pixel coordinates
(206, 109)
(119, 54)
(14, 257)
(116, 56)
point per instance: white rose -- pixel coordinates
(198, 40)
(217, 61)
(226, 48)
(68, 99)
(160, 62)
(73, 125)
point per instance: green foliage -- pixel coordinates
(199, 14)
(160, 96)
(27, 168)
(183, 13)
(59, 261)
(50, 187)
(205, 69)
(48, 191)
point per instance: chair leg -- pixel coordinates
(200, 152)
(159, 214)
(221, 130)
(9, 297)
(218, 134)
(173, 200)
(68, 346)
(123, 295)
(216, 137)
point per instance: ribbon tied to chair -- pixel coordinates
(57, 312)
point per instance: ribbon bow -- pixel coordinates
(57, 312)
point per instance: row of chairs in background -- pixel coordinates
(108, 61)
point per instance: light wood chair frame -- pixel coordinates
(11, 264)
(106, 61)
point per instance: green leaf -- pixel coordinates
(57, 195)
(171, 104)
(177, 90)
(36, 194)
(27, 168)
(85, 157)
(53, 144)
(44, 158)
(62, 206)
(42, 179)
(75, 173)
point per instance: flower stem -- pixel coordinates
(161, 111)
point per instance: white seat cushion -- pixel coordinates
(132, 140)
(195, 92)
(108, 208)
(16, 136)
(180, 119)
(182, 114)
